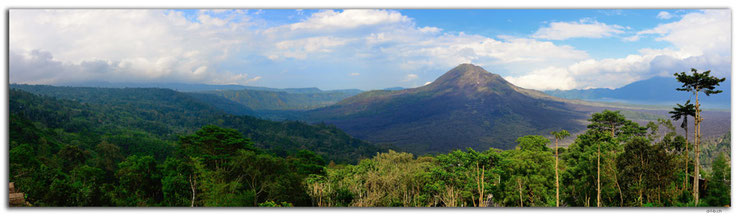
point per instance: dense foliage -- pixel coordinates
(154, 147)
(616, 160)
(140, 119)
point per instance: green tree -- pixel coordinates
(215, 145)
(696, 83)
(559, 135)
(607, 120)
(258, 172)
(305, 162)
(633, 168)
(177, 175)
(72, 156)
(604, 121)
(683, 112)
(528, 177)
(139, 182)
(718, 189)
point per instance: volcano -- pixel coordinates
(466, 107)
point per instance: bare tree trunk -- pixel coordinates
(521, 201)
(686, 153)
(598, 177)
(449, 198)
(614, 128)
(642, 162)
(480, 177)
(619, 188)
(557, 177)
(192, 188)
(697, 136)
(640, 194)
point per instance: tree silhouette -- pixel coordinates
(684, 111)
(559, 135)
(695, 83)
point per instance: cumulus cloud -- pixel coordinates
(584, 28)
(545, 79)
(40, 67)
(133, 44)
(387, 47)
(664, 15)
(330, 19)
(700, 40)
(410, 77)
(615, 72)
(696, 33)
(302, 47)
(393, 43)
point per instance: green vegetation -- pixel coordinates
(632, 167)
(157, 147)
(148, 121)
(719, 183)
(683, 112)
(696, 83)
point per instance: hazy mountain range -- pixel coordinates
(466, 107)
(653, 91)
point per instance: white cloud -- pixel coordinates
(410, 77)
(330, 19)
(302, 47)
(584, 28)
(617, 72)
(696, 33)
(664, 15)
(135, 44)
(700, 40)
(428, 29)
(384, 45)
(632, 38)
(545, 79)
(390, 39)
(40, 67)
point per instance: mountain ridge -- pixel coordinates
(653, 91)
(465, 107)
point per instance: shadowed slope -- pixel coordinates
(466, 107)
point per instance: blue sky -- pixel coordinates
(366, 49)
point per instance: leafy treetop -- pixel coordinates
(699, 82)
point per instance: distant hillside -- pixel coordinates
(137, 117)
(246, 100)
(653, 91)
(223, 104)
(287, 99)
(466, 107)
(196, 87)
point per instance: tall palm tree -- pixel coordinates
(679, 112)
